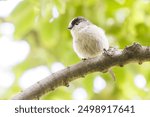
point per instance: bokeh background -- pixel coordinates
(35, 42)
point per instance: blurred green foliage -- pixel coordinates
(124, 21)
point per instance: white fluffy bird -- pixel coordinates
(88, 39)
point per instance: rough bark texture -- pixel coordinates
(110, 58)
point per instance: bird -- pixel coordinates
(89, 40)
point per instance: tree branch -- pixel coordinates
(110, 58)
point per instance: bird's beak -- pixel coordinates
(70, 27)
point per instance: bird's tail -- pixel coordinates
(112, 74)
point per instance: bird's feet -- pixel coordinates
(84, 59)
(110, 52)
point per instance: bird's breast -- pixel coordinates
(89, 42)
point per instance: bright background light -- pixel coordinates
(55, 14)
(7, 29)
(11, 52)
(122, 14)
(140, 81)
(99, 84)
(79, 94)
(14, 52)
(57, 66)
(33, 75)
(6, 6)
(6, 78)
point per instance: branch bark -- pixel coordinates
(110, 58)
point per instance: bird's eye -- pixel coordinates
(77, 23)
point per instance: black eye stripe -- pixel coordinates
(76, 21)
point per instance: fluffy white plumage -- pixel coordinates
(88, 39)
